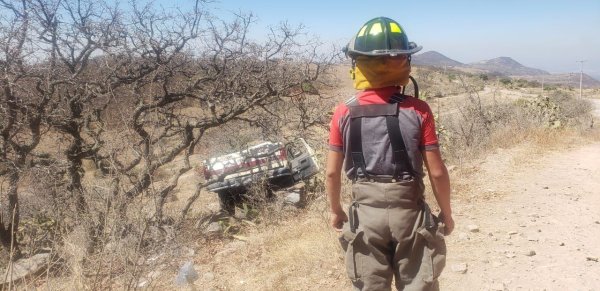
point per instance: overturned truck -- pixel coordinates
(272, 164)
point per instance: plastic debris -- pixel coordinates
(187, 274)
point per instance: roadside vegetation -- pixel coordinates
(102, 107)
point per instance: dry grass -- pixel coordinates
(300, 253)
(285, 248)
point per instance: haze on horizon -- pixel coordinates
(549, 35)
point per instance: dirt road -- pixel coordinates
(534, 223)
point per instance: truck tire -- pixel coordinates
(227, 201)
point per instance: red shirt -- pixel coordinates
(381, 96)
(416, 123)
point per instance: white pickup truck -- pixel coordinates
(279, 165)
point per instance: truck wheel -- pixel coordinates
(227, 202)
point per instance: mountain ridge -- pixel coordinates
(433, 58)
(504, 65)
(507, 66)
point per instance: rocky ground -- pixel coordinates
(531, 222)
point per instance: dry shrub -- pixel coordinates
(295, 250)
(482, 126)
(100, 127)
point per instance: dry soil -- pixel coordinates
(533, 222)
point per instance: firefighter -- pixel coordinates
(380, 139)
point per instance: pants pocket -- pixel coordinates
(434, 252)
(351, 243)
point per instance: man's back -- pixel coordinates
(416, 125)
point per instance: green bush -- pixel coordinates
(506, 81)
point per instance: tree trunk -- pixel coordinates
(10, 227)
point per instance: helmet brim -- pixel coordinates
(381, 53)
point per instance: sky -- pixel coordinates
(551, 35)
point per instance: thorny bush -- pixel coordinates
(480, 124)
(102, 106)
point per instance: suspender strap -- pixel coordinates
(400, 155)
(358, 159)
(402, 162)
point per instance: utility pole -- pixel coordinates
(581, 78)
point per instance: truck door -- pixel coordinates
(302, 160)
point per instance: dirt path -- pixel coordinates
(534, 223)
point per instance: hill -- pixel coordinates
(504, 66)
(507, 66)
(434, 59)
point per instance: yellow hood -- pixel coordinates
(379, 72)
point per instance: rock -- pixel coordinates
(597, 222)
(592, 259)
(208, 277)
(142, 283)
(530, 253)
(463, 236)
(473, 228)
(513, 232)
(460, 268)
(213, 227)
(154, 274)
(545, 187)
(24, 268)
(562, 244)
(293, 195)
(510, 255)
(497, 287)
(292, 198)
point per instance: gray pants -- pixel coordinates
(391, 239)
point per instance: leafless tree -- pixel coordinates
(134, 90)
